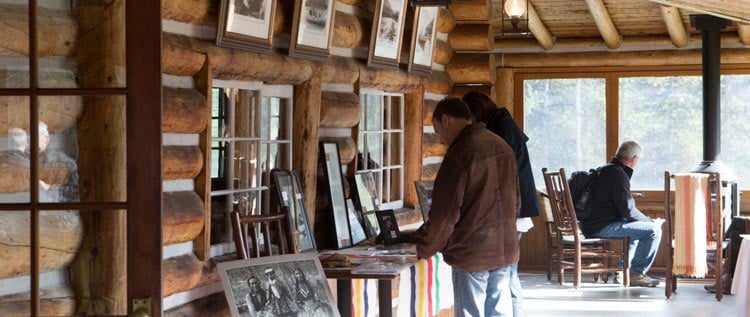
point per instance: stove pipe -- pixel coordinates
(711, 26)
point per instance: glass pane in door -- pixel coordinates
(15, 254)
(14, 149)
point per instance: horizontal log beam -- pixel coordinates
(743, 31)
(429, 108)
(347, 148)
(350, 31)
(53, 301)
(604, 23)
(472, 69)
(471, 37)
(186, 272)
(460, 90)
(653, 58)
(539, 30)
(57, 29)
(182, 217)
(339, 110)
(429, 171)
(446, 21)
(675, 27)
(471, 10)
(443, 53)
(594, 45)
(431, 145)
(184, 111)
(181, 162)
(60, 238)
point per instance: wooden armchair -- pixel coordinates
(273, 228)
(582, 255)
(715, 244)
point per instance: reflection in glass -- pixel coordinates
(245, 114)
(373, 150)
(14, 150)
(220, 101)
(374, 113)
(245, 165)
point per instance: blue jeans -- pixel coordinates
(482, 294)
(515, 286)
(644, 236)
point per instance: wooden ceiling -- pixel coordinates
(619, 25)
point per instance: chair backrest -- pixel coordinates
(561, 203)
(272, 228)
(714, 207)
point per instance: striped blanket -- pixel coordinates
(424, 289)
(691, 206)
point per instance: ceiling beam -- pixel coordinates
(675, 27)
(540, 32)
(617, 59)
(743, 31)
(604, 23)
(630, 44)
(737, 10)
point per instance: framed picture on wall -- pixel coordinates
(290, 197)
(387, 32)
(246, 24)
(423, 40)
(296, 282)
(311, 29)
(335, 216)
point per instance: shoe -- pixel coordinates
(618, 277)
(642, 280)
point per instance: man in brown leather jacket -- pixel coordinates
(473, 216)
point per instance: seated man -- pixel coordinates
(612, 214)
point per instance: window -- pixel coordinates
(565, 121)
(380, 147)
(251, 135)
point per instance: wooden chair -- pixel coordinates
(582, 255)
(551, 233)
(273, 228)
(715, 243)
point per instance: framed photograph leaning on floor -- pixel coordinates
(387, 32)
(423, 40)
(246, 24)
(285, 285)
(311, 29)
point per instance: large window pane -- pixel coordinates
(664, 115)
(735, 114)
(565, 122)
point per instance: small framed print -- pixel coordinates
(424, 194)
(335, 216)
(388, 226)
(290, 196)
(423, 40)
(387, 32)
(246, 24)
(311, 29)
(367, 196)
(284, 285)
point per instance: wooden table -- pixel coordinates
(344, 279)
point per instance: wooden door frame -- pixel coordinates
(144, 152)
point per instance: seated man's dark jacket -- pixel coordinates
(611, 199)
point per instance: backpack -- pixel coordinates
(581, 184)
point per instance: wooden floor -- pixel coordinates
(547, 298)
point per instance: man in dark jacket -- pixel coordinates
(500, 122)
(612, 214)
(473, 215)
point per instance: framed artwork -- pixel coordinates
(357, 231)
(423, 40)
(332, 179)
(388, 226)
(285, 285)
(424, 194)
(246, 24)
(311, 29)
(289, 195)
(367, 195)
(387, 32)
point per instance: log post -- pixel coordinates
(504, 89)
(99, 271)
(202, 243)
(472, 69)
(413, 105)
(471, 37)
(307, 99)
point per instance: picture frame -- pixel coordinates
(388, 226)
(423, 35)
(290, 196)
(298, 279)
(312, 29)
(367, 196)
(332, 182)
(424, 195)
(246, 25)
(355, 225)
(387, 33)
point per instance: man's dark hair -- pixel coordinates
(452, 107)
(480, 105)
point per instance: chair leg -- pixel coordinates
(549, 263)
(577, 277)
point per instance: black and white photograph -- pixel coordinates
(387, 31)
(423, 39)
(311, 35)
(276, 286)
(424, 195)
(388, 226)
(289, 195)
(355, 224)
(246, 24)
(367, 195)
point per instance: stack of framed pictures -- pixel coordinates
(335, 214)
(367, 196)
(290, 197)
